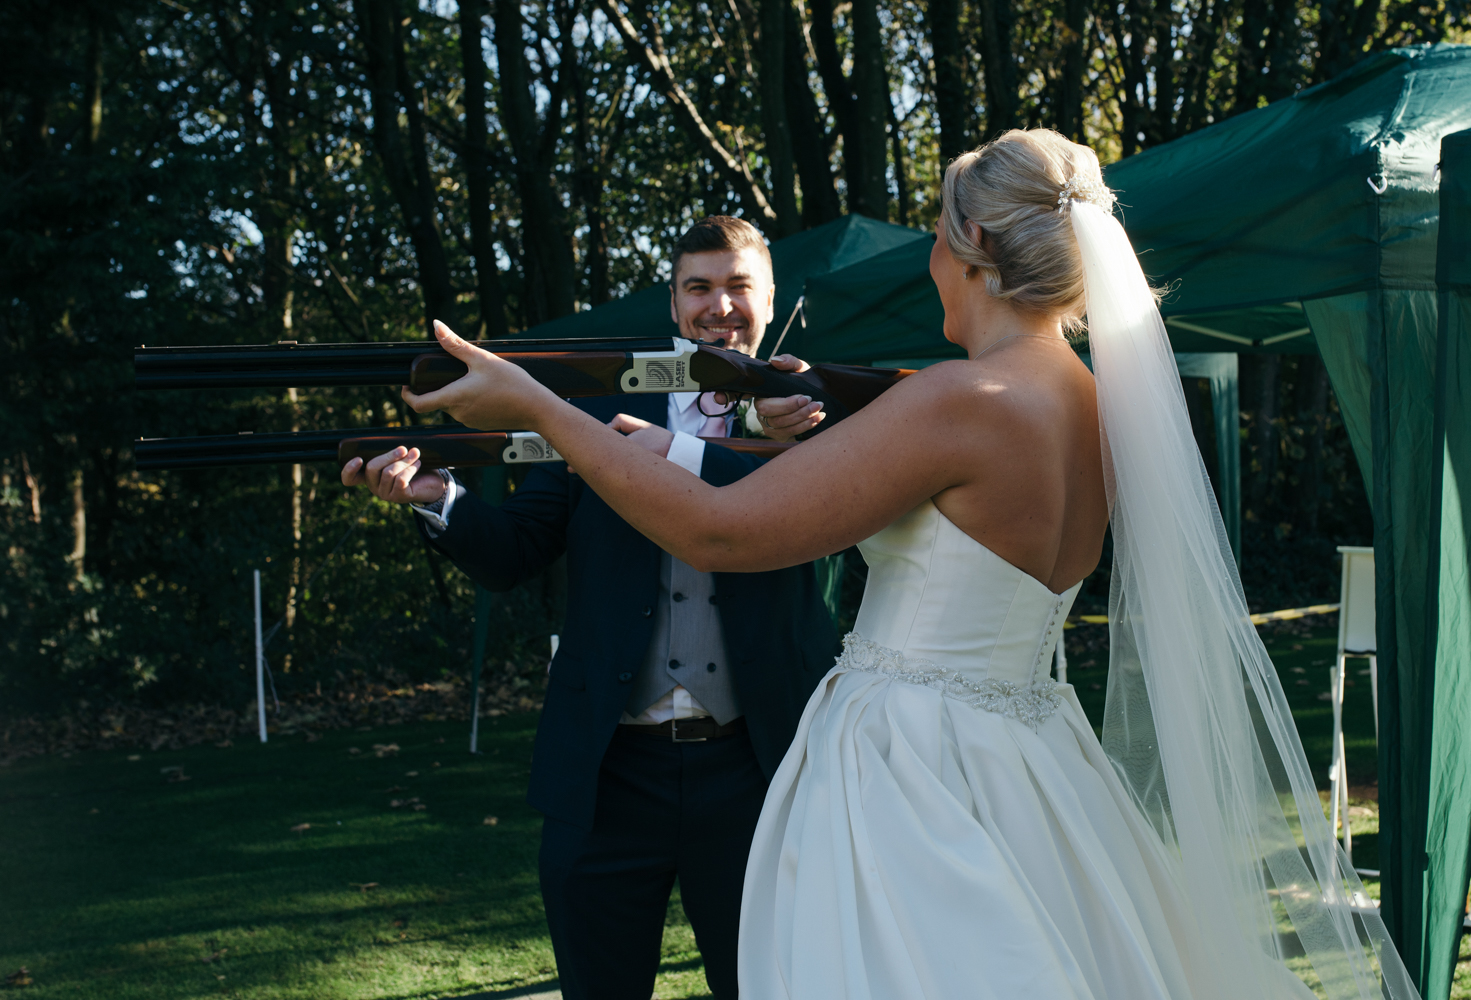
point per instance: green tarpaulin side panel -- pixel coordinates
(1401, 356)
(1341, 329)
(1448, 806)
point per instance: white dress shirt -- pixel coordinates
(688, 452)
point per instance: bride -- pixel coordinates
(946, 824)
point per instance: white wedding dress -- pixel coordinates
(946, 824)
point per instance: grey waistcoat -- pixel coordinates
(688, 645)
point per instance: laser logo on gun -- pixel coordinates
(657, 375)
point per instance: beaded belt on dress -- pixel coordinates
(1030, 704)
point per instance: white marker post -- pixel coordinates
(260, 664)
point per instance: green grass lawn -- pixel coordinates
(121, 881)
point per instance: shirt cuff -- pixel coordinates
(437, 522)
(687, 452)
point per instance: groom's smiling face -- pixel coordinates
(723, 295)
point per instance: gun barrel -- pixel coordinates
(303, 365)
(442, 446)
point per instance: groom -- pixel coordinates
(674, 693)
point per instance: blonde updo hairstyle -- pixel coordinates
(1013, 188)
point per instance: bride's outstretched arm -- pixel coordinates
(833, 491)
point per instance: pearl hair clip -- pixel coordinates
(1080, 188)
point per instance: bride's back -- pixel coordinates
(1034, 494)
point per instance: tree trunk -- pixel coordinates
(1070, 103)
(840, 100)
(384, 47)
(952, 96)
(293, 584)
(33, 488)
(92, 88)
(79, 525)
(810, 143)
(490, 293)
(549, 266)
(1002, 95)
(872, 110)
(772, 79)
(901, 182)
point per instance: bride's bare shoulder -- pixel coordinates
(1007, 394)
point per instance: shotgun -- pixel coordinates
(570, 368)
(443, 446)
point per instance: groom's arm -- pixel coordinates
(501, 546)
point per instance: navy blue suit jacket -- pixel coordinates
(778, 632)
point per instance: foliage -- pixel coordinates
(197, 171)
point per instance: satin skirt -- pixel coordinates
(913, 847)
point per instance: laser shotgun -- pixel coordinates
(442, 446)
(568, 367)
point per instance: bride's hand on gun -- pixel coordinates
(783, 419)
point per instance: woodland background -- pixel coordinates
(188, 172)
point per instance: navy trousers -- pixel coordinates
(665, 811)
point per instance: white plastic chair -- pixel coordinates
(1356, 637)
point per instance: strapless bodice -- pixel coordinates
(948, 607)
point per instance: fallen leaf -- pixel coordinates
(135, 756)
(492, 820)
(420, 807)
(439, 740)
(20, 977)
(301, 828)
(214, 957)
(225, 743)
(364, 886)
(93, 811)
(401, 921)
(411, 774)
(385, 749)
(354, 750)
(435, 764)
(395, 788)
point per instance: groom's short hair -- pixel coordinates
(719, 232)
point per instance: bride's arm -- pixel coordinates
(835, 490)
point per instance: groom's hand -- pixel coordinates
(651, 436)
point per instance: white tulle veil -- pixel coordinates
(1196, 723)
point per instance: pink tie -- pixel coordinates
(714, 427)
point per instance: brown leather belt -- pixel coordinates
(688, 730)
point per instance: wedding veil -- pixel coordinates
(1196, 723)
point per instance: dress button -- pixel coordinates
(712, 599)
(710, 667)
(625, 677)
(648, 612)
(675, 664)
(678, 597)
